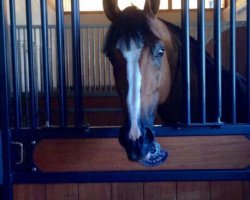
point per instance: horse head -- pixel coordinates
(141, 50)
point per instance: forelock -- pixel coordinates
(131, 24)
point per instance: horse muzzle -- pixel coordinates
(138, 149)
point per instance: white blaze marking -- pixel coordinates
(132, 56)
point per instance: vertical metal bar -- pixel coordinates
(76, 62)
(67, 59)
(45, 49)
(186, 60)
(217, 55)
(16, 86)
(19, 52)
(83, 57)
(104, 65)
(26, 79)
(93, 59)
(99, 60)
(31, 65)
(248, 56)
(233, 58)
(61, 62)
(89, 58)
(202, 58)
(5, 109)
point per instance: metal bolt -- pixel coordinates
(87, 130)
(33, 142)
(34, 169)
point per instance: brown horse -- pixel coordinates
(145, 52)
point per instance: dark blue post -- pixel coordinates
(233, 57)
(248, 56)
(202, 59)
(5, 111)
(33, 101)
(45, 49)
(15, 70)
(217, 54)
(61, 62)
(77, 62)
(186, 60)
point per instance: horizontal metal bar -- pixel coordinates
(113, 131)
(223, 24)
(133, 176)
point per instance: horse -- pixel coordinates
(145, 52)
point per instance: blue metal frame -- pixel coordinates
(133, 176)
(30, 138)
(112, 132)
(4, 103)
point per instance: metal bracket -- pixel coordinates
(21, 159)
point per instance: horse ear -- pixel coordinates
(152, 6)
(111, 9)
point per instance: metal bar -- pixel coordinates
(217, 55)
(89, 58)
(134, 176)
(186, 61)
(45, 49)
(61, 62)
(67, 60)
(77, 62)
(113, 132)
(82, 58)
(202, 58)
(16, 86)
(94, 59)
(33, 116)
(248, 56)
(5, 109)
(233, 58)
(26, 79)
(99, 60)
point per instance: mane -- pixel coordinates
(132, 23)
(177, 32)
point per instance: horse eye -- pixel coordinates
(160, 53)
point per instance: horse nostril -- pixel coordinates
(133, 157)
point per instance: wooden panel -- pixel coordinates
(127, 191)
(29, 192)
(193, 190)
(201, 152)
(95, 191)
(158, 191)
(226, 190)
(246, 190)
(62, 192)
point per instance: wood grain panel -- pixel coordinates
(29, 192)
(246, 190)
(127, 191)
(201, 152)
(161, 190)
(95, 191)
(193, 190)
(226, 190)
(61, 192)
